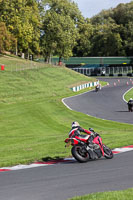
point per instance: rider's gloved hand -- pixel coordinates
(93, 133)
(91, 129)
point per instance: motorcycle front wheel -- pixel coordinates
(80, 154)
(107, 152)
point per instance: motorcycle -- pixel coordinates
(83, 151)
(97, 88)
(130, 107)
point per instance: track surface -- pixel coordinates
(107, 103)
(65, 180)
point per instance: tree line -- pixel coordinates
(57, 27)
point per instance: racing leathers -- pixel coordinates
(75, 133)
(130, 105)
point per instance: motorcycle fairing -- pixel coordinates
(72, 141)
(98, 140)
(83, 138)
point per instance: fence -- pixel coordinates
(14, 67)
(107, 71)
(85, 85)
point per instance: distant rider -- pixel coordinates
(98, 87)
(130, 105)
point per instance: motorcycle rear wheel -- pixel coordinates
(108, 152)
(80, 154)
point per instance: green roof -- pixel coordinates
(96, 60)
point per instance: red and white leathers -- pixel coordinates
(75, 132)
(91, 137)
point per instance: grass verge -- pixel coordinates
(129, 95)
(34, 122)
(115, 195)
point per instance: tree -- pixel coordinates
(22, 19)
(83, 46)
(59, 35)
(107, 40)
(60, 31)
(7, 41)
(128, 42)
(123, 15)
(63, 7)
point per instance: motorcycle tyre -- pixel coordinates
(130, 108)
(77, 156)
(106, 150)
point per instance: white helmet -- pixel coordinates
(75, 124)
(131, 99)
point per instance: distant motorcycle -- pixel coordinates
(82, 151)
(98, 87)
(130, 105)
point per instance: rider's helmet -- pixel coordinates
(75, 124)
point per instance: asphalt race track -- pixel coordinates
(107, 103)
(65, 180)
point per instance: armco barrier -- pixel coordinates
(83, 86)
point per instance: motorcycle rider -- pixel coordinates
(130, 105)
(98, 87)
(76, 130)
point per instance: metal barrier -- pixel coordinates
(107, 71)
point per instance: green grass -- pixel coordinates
(34, 122)
(115, 195)
(129, 95)
(12, 63)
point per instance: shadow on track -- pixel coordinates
(121, 111)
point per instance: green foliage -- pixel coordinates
(107, 41)
(59, 26)
(83, 47)
(60, 35)
(23, 21)
(64, 7)
(129, 95)
(118, 40)
(7, 41)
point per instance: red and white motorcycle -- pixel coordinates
(84, 151)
